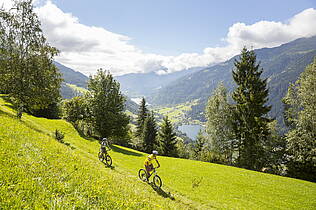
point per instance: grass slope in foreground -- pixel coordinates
(39, 172)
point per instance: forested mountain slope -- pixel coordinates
(282, 65)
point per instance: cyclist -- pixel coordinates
(104, 145)
(149, 162)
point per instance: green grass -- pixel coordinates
(38, 172)
(76, 88)
(176, 114)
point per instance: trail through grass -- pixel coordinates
(39, 172)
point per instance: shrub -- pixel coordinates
(59, 136)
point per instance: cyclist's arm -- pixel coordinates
(157, 163)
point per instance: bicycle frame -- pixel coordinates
(153, 172)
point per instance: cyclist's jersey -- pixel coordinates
(150, 159)
(105, 146)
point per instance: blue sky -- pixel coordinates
(171, 27)
(164, 36)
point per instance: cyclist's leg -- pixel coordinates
(149, 168)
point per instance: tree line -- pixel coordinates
(239, 130)
(149, 137)
(241, 133)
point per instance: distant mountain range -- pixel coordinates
(146, 84)
(75, 81)
(282, 65)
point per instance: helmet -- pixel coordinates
(104, 139)
(155, 152)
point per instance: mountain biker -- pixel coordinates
(149, 162)
(104, 145)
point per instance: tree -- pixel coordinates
(199, 145)
(142, 115)
(26, 69)
(149, 134)
(301, 115)
(78, 112)
(168, 138)
(107, 106)
(74, 109)
(219, 125)
(250, 121)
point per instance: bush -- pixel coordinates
(59, 136)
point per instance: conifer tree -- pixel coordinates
(168, 138)
(149, 133)
(142, 115)
(250, 121)
(199, 145)
(301, 115)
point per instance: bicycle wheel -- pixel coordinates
(157, 181)
(108, 160)
(142, 174)
(101, 156)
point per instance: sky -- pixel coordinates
(136, 36)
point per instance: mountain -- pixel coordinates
(71, 76)
(145, 84)
(282, 65)
(75, 84)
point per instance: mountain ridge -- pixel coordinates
(282, 65)
(145, 84)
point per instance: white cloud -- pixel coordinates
(87, 48)
(6, 4)
(271, 34)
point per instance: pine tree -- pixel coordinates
(250, 124)
(149, 134)
(142, 115)
(27, 72)
(107, 105)
(168, 138)
(219, 125)
(301, 116)
(199, 145)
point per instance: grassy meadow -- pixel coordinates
(38, 172)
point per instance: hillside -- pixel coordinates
(281, 65)
(71, 76)
(38, 172)
(75, 84)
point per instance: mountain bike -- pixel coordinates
(105, 157)
(142, 174)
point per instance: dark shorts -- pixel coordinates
(103, 149)
(149, 167)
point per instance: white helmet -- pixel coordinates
(155, 152)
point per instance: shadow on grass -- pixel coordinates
(84, 136)
(8, 114)
(161, 192)
(110, 167)
(22, 121)
(125, 152)
(69, 145)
